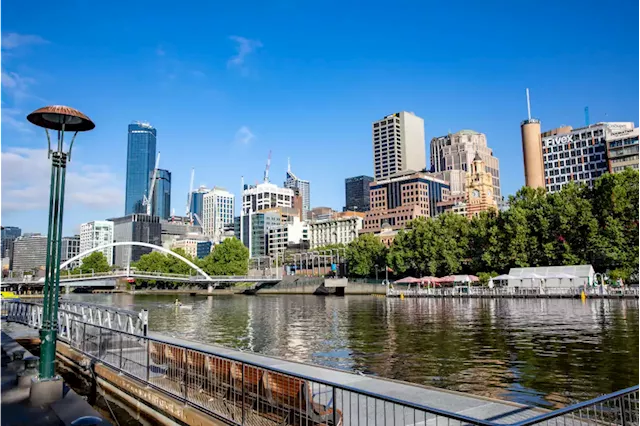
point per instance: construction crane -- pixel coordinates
(188, 211)
(148, 201)
(266, 169)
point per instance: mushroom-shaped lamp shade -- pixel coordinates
(54, 116)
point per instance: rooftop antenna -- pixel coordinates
(289, 164)
(266, 169)
(528, 105)
(190, 197)
(586, 116)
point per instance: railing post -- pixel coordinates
(242, 401)
(99, 341)
(120, 350)
(334, 415)
(84, 337)
(185, 374)
(623, 412)
(148, 366)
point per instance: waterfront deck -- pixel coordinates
(514, 293)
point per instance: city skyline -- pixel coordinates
(245, 59)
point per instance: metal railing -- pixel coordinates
(30, 313)
(248, 393)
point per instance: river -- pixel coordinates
(545, 352)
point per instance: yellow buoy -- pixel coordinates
(401, 295)
(583, 296)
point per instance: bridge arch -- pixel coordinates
(137, 243)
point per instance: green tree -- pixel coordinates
(363, 254)
(230, 257)
(152, 262)
(96, 262)
(174, 265)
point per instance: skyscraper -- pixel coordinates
(356, 191)
(217, 211)
(456, 152)
(141, 152)
(29, 253)
(162, 194)
(398, 144)
(9, 234)
(302, 188)
(197, 199)
(135, 227)
(70, 248)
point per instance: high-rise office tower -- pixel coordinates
(356, 191)
(162, 194)
(300, 186)
(95, 234)
(70, 248)
(29, 253)
(456, 152)
(217, 211)
(197, 199)
(398, 144)
(532, 150)
(9, 234)
(141, 153)
(135, 227)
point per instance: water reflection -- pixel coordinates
(547, 352)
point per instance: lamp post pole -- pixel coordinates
(60, 119)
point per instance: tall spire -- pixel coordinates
(288, 165)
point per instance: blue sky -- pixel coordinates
(225, 82)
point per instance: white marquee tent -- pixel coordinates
(552, 276)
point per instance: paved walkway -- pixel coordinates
(16, 410)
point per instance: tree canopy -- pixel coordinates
(95, 262)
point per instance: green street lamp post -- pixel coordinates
(61, 119)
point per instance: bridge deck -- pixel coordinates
(357, 410)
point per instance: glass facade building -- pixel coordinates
(162, 194)
(357, 193)
(9, 234)
(141, 153)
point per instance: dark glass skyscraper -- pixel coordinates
(162, 194)
(357, 193)
(141, 153)
(9, 234)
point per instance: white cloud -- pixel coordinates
(26, 175)
(244, 136)
(13, 118)
(15, 85)
(244, 47)
(15, 40)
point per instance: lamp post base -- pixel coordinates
(45, 392)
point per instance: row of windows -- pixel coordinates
(548, 147)
(623, 142)
(623, 159)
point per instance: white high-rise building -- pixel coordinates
(265, 196)
(398, 144)
(97, 233)
(217, 211)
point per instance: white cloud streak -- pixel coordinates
(15, 40)
(26, 175)
(244, 48)
(244, 136)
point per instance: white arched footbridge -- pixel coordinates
(93, 279)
